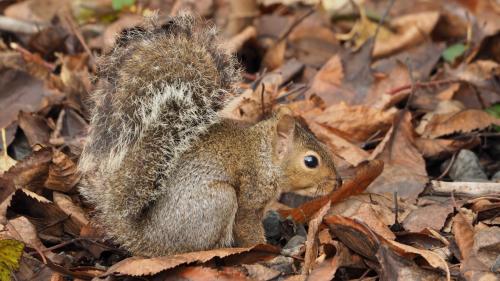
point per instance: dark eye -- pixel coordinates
(311, 161)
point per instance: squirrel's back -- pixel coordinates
(159, 91)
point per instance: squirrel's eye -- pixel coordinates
(311, 161)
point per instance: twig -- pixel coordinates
(60, 245)
(294, 24)
(448, 168)
(381, 21)
(79, 36)
(18, 26)
(32, 57)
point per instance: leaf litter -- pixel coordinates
(395, 110)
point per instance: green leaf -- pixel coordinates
(120, 4)
(10, 255)
(454, 51)
(494, 111)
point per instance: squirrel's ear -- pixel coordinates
(285, 128)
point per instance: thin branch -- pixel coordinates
(19, 26)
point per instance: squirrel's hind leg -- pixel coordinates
(193, 218)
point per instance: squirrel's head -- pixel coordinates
(305, 162)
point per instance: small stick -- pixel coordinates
(294, 24)
(448, 168)
(79, 36)
(32, 57)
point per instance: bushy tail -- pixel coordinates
(159, 90)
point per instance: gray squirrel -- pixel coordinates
(165, 173)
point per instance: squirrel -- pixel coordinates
(166, 173)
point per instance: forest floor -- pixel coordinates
(405, 94)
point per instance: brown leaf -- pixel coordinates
(365, 174)
(22, 92)
(200, 273)
(63, 173)
(327, 269)
(354, 123)
(260, 272)
(327, 82)
(137, 266)
(27, 173)
(76, 213)
(393, 267)
(482, 261)
(275, 55)
(368, 215)
(312, 240)
(418, 219)
(464, 235)
(45, 215)
(462, 122)
(405, 171)
(436, 148)
(367, 243)
(35, 128)
(411, 30)
(341, 147)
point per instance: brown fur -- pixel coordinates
(165, 174)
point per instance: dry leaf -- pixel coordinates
(411, 29)
(137, 266)
(312, 240)
(341, 147)
(68, 207)
(275, 55)
(63, 174)
(418, 219)
(462, 122)
(464, 235)
(354, 123)
(405, 171)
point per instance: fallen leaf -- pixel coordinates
(45, 215)
(76, 213)
(411, 30)
(275, 55)
(27, 173)
(22, 93)
(354, 123)
(201, 273)
(338, 145)
(260, 272)
(464, 235)
(312, 241)
(35, 128)
(63, 173)
(462, 122)
(10, 256)
(437, 148)
(405, 171)
(394, 267)
(418, 219)
(136, 266)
